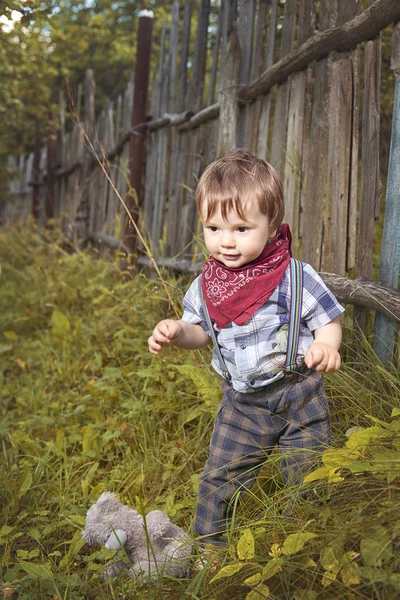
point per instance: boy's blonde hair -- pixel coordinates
(230, 181)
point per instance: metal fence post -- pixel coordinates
(136, 145)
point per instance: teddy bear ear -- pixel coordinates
(157, 523)
(108, 499)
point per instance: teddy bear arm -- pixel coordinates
(143, 568)
(113, 569)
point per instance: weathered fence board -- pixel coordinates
(313, 190)
(339, 162)
(279, 134)
(390, 254)
(263, 128)
(229, 111)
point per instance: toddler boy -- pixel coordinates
(246, 288)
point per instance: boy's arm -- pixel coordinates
(323, 353)
(179, 333)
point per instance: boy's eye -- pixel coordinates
(242, 229)
(213, 228)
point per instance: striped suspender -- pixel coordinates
(222, 363)
(296, 301)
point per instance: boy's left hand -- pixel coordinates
(322, 356)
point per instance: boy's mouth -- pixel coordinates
(231, 256)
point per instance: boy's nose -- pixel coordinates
(227, 240)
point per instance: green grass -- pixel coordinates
(85, 408)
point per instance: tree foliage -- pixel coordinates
(52, 45)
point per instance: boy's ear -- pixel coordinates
(272, 234)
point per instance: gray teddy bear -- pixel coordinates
(152, 544)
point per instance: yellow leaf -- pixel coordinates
(21, 363)
(334, 476)
(330, 574)
(360, 439)
(87, 439)
(228, 571)
(335, 458)
(60, 439)
(327, 578)
(245, 547)
(10, 335)
(259, 593)
(272, 568)
(59, 323)
(98, 489)
(85, 488)
(319, 473)
(349, 575)
(311, 563)
(253, 580)
(295, 541)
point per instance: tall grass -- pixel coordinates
(86, 408)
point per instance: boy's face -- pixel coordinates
(234, 241)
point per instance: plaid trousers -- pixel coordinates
(292, 413)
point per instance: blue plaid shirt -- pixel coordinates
(255, 353)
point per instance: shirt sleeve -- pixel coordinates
(320, 306)
(192, 306)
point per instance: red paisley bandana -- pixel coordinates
(234, 294)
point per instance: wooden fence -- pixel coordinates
(297, 81)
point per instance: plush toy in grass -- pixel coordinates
(151, 545)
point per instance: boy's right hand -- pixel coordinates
(164, 333)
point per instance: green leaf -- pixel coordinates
(26, 483)
(305, 595)
(375, 575)
(194, 413)
(76, 544)
(327, 557)
(376, 547)
(80, 519)
(395, 412)
(228, 571)
(245, 546)
(37, 571)
(6, 530)
(295, 541)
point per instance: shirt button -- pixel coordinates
(243, 346)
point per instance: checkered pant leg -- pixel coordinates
(294, 416)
